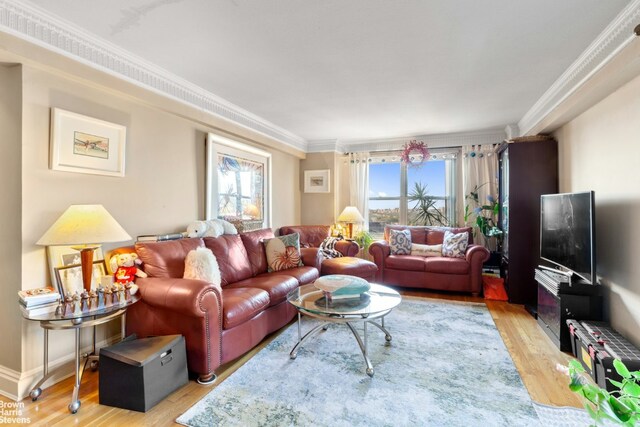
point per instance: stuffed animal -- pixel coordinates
(211, 228)
(125, 269)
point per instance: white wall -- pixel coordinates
(600, 150)
(10, 195)
(163, 190)
(319, 208)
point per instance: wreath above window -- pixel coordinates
(414, 153)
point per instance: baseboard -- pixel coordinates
(9, 380)
(17, 385)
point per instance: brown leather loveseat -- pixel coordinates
(218, 326)
(438, 273)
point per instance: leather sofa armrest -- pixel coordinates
(476, 255)
(194, 298)
(347, 247)
(312, 257)
(379, 250)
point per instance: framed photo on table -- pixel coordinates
(86, 145)
(65, 256)
(69, 278)
(317, 181)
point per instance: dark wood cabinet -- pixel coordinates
(528, 168)
(554, 308)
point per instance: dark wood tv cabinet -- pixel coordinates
(571, 301)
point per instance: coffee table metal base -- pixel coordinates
(363, 343)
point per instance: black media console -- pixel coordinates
(561, 298)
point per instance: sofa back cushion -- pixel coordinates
(254, 244)
(311, 236)
(418, 234)
(435, 235)
(232, 257)
(426, 234)
(166, 259)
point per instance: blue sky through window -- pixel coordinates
(384, 181)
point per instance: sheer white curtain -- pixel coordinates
(359, 185)
(479, 168)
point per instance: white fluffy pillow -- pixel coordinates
(201, 264)
(426, 250)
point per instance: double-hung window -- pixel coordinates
(412, 195)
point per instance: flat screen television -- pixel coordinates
(567, 232)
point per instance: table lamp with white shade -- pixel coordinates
(350, 215)
(84, 228)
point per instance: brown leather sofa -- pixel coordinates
(312, 236)
(438, 273)
(218, 326)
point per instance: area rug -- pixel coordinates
(446, 366)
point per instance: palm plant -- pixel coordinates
(425, 211)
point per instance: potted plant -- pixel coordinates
(486, 217)
(364, 240)
(621, 405)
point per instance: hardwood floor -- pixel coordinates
(533, 354)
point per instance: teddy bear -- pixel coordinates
(125, 269)
(210, 228)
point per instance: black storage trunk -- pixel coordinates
(602, 344)
(582, 348)
(140, 373)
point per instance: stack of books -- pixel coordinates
(338, 287)
(38, 301)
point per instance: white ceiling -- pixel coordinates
(357, 69)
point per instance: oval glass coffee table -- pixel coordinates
(373, 304)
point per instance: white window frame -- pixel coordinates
(451, 165)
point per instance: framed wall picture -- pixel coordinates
(69, 278)
(65, 256)
(317, 181)
(238, 185)
(86, 145)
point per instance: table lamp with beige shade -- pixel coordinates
(350, 215)
(84, 228)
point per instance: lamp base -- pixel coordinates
(86, 261)
(350, 230)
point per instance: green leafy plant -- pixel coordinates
(485, 214)
(425, 211)
(363, 239)
(621, 405)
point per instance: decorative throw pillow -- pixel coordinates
(283, 252)
(400, 242)
(426, 250)
(201, 264)
(328, 248)
(455, 245)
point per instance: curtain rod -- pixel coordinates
(435, 149)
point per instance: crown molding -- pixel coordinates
(481, 137)
(615, 37)
(511, 131)
(35, 25)
(325, 146)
